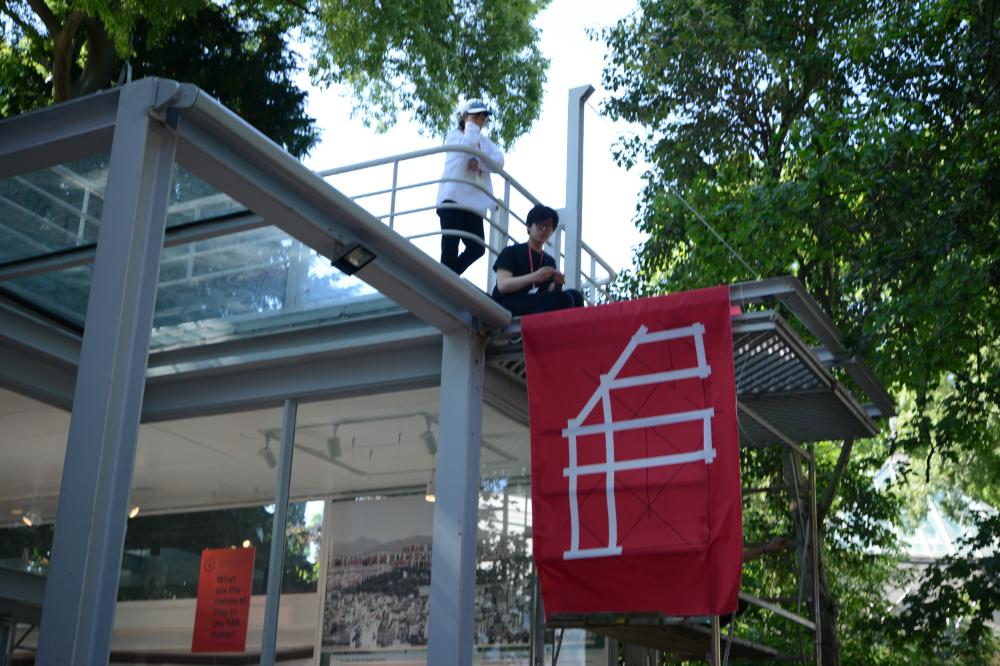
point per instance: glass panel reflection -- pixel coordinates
(162, 552)
(61, 295)
(59, 208)
(221, 287)
(248, 282)
(51, 209)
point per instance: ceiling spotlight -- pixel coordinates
(353, 259)
(31, 518)
(430, 495)
(267, 454)
(134, 511)
(430, 441)
(246, 543)
(333, 444)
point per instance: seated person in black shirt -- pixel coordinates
(527, 279)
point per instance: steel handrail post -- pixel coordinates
(392, 197)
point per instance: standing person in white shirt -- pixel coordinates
(466, 190)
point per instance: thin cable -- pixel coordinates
(691, 208)
(715, 233)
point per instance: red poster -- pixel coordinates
(220, 618)
(635, 456)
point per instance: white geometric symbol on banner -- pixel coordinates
(609, 427)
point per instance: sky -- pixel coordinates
(538, 159)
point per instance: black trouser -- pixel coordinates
(460, 220)
(542, 301)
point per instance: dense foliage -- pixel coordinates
(855, 145)
(420, 57)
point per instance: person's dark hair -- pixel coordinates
(542, 213)
(461, 121)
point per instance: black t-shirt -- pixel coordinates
(515, 259)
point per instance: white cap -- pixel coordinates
(475, 106)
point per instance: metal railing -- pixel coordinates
(408, 196)
(406, 202)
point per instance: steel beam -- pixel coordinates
(790, 291)
(573, 224)
(81, 592)
(20, 327)
(456, 512)
(507, 396)
(814, 552)
(777, 610)
(58, 134)
(767, 425)
(276, 564)
(256, 386)
(37, 378)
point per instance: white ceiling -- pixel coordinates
(214, 461)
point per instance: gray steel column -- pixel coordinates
(814, 537)
(536, 638)
(456, 512)
(574, 184)
(82, 586)
(276, 564)
(715, 656)
(7, 625)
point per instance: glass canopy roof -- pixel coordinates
(221, 286)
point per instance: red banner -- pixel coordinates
(220, 618)
(635, 456)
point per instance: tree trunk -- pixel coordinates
(100, 66)
(63, 54)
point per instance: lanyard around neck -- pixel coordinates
(531, 264)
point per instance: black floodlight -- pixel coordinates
(353, 259)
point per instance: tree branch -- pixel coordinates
(305, 8)
(63, 38)
(838, 474)
(43, 12)
(20, 22)
(100, 65)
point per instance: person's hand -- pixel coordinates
(559, 278)
(543, 274)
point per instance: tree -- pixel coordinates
(853, 145)
(420, 57)
(257, 78)
(256, 81)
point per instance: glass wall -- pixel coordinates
(162, 553)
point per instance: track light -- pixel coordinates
(31, 518)
(134, 511)
(430, 441)
(267, 454)
(333, 444)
